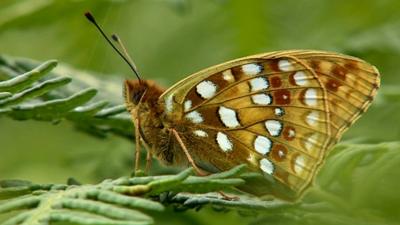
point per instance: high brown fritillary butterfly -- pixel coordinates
(277, 112)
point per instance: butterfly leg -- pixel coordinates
(148, 162)
(137, 147)
(189, 157)
(149, 156)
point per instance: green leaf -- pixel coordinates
(108, 202)
(35, 91)
(54, 109)
(25, 80)
(41, 94)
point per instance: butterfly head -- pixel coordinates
(143, 93)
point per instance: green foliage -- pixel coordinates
(119, 201)
(41, 96)
(357, 184)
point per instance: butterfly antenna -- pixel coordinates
(91, 18)
(122, 46)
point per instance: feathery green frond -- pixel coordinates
(120, 201)
(40, 93)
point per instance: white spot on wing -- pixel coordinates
(206, 89)
(224, 143)
(292, 133)
(299, 164)
(300, 78)
(227, 75)
(169, 105)
(267, 166)
(187, 105)
(312, 118)
(251, 69)
(228, 117)
(262, 145)
(261, 99)
(259, 83)
(279, 111)
(310, 97)
(200, 133)
(195, 117)
(285, 65)
(311, 141)
(274, 127)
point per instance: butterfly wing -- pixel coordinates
(277, 112)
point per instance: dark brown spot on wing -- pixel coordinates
(236, 71)
(273, 64)
(351, 65)
(314, 64)
(194, 97)
(289, 133)
(276, 81)
(339, 72)
(278, 153)
(211, 116)
(333, 85)
(282, 97)
(291, 79)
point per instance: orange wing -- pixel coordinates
(278, 112)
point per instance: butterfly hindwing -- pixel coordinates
(279, 113)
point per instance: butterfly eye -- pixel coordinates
(134, 90)
(137, 95)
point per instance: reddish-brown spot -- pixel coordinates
(351, 66)
(291, 79)
(314, 64)
(276, 81)
(211, 116)
(282, 97)
(236, 70)
(194, 97)
(339, 72)
(302, 96)
(289, 133)
(279, 153)
(218, 80)
(333, 85)
(273, 64)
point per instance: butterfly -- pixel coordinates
(279, 112)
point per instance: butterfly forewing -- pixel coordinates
(277, 112)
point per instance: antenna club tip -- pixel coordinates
(114, 37)
(90, 17)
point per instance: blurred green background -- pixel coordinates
(170, 39)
